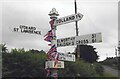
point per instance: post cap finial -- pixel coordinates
(53, 12)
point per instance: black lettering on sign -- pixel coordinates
(68, 38)
(93, 38)
(22, 26)
(93, 35)
(58, 41)
(77, 42)
(70, 55)
(59, 44)
(15, 29)
(67, 19)
(64, 44)
(68, 43)
(87, 41)
(73, 17)
(60, 20)
(81, 42)
(40, 32)
(61, 40)
(31, 28)
(59, 65)
(70, 18)
(57, 21)
(72, 43)
(79, 16)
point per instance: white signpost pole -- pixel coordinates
(53, 16)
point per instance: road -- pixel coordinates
(111, 71)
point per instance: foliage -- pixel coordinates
(112, 61)
(99, 69)
(3, 48)
(36, 51)
(79, 68)
(21, 63)
(88, 53)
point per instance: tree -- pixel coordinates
(112, 62)
(88, 53)
(21, 63)
(78, 69)
(36, 51)
(4, 48)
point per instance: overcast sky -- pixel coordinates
(99, 16)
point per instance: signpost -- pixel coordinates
(68, 19)
(70, 41)
(27, 29)
(51, 64)
(80, 40)
(66, 57)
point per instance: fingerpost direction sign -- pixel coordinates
(68, 19)
(51, 64)
(80, 40)
(66, 57)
